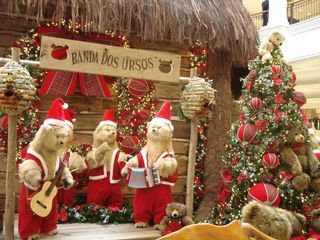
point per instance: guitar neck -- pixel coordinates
(56, 178)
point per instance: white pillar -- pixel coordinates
(277, 13)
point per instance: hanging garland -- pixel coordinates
(93, 213)
(199, 61)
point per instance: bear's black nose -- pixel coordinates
(153, 130)
(113, 133)
(175, 215)
(61, 142)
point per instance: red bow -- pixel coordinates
(296, 146)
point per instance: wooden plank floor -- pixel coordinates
(85, 231)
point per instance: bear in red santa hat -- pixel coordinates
(74, 161)
(40, 164)
(105, 162)
(150, 200)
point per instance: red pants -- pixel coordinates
(151, 202)
(29, 223)
(104, 193)
(66, 197)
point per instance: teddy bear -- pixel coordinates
(40, 164)
(275, 40)
(275, 222)
(300, 160)
(175, 218)
(105, 162)
(150, 202)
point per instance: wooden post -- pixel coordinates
(192, 159)
(10, 178)
(11, 167)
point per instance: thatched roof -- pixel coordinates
(224, 24)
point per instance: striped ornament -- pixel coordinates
(4, 122)
(264, 193)
(247, 133)
(270, 161)
(299, 98)
(138, 87)
(129, 144)
(145, 115)
(276, 69)
(255, 103)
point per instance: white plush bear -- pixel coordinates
(275, 40)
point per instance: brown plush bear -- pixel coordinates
(314, 228)
(299, 159)
(176, 218)
(275, 222)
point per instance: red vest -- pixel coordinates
(115, 169)
(34, 156)
(143, 163)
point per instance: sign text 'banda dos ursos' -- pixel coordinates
(85, 57)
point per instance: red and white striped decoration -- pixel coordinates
(270, 161)
(247, 133)
(299, 98)
(276, 69)
(255, 103)
(265, 193)
(138, 87)
(129, 144)
(4, 122)
(145, 115)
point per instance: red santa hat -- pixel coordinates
(164, 114)
(69, 116)
(55, 114)
(108, 118)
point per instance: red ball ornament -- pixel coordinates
(145, 115)
(138, 87)
(129, 144)
(265, 193)
(299, 98)
(247, 133)
(270, 161)
(276, 69)
(255, 103)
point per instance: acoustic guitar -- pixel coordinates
(41, 202)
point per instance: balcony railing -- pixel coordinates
(297, 11)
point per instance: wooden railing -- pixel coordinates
(298, 11)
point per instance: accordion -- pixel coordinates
(143, 177)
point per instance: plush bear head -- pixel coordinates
(275, 222)
(276, 38)
(53, 138)
(159, 131)
(176, 210)
(298, 134)
(104, 133)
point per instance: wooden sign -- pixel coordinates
(85, 57)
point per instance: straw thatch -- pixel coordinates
(224, 24)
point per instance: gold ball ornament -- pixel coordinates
(197, 99)
(17, 88)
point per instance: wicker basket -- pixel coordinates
(17, 88)
(197, 99)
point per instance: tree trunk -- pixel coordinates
(219, 68)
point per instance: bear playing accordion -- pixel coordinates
(143, 177)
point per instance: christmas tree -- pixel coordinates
(269, 108)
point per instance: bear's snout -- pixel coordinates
(61, 142)
(299, 138)
(174, 213)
